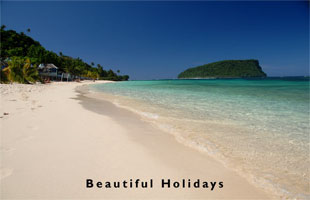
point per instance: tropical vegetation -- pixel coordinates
(21, 55)
(225, 69)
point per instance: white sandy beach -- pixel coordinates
(53, 139)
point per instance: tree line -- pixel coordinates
(21, 55)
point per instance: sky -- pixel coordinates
(158, 40)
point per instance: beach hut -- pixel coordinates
(48, 71)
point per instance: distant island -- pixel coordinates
(225, 69)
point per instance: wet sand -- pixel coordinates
(57, 136)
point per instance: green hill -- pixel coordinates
(20, 47)
(225, 69)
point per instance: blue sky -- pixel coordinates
(156, 40)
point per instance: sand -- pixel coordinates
(55, 136)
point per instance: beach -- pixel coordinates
(56, 136)
(258, 128)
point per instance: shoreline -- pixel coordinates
(229, 125)
(64, 137)
(170, 146)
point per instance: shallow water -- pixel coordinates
(258, 127)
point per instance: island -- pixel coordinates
(225, 69)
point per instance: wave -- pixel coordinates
(226, 141)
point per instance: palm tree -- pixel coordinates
(30, 73)
(118, 71)
(28, 30)
(60, 53)
(21, 71)
(14, 71)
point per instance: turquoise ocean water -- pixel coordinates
(260, 128)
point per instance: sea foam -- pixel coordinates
(260, 128)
